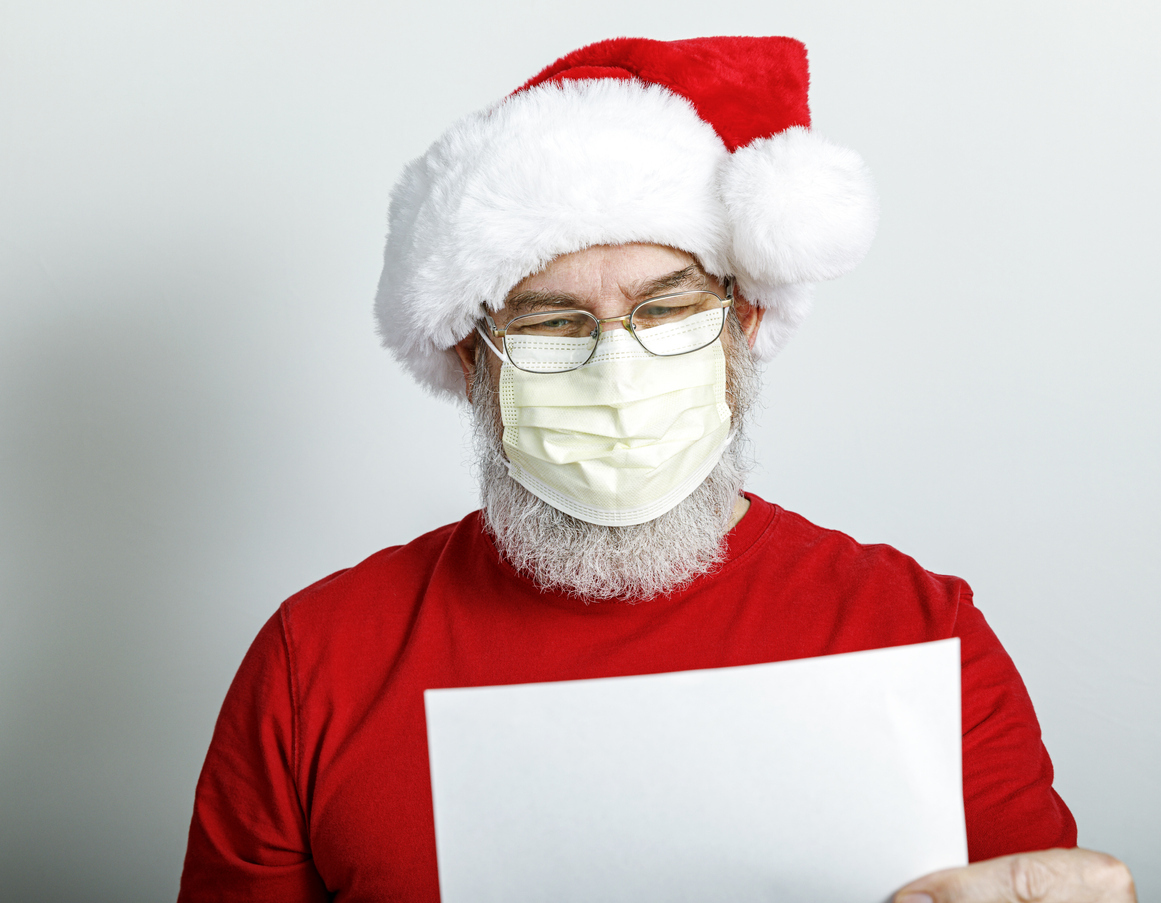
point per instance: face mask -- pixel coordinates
(624, 438)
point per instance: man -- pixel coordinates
(597, 264)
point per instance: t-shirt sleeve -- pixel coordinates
(249, 839)
(1009, 801)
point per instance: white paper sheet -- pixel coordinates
(811, 781)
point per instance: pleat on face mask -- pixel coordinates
(621, 440)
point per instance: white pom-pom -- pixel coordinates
(801, 208)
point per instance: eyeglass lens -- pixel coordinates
(554, 341)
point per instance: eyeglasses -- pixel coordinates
(556, 341)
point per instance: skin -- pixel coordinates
(608, 281)
(1047, 876)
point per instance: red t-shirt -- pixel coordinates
(316, 782)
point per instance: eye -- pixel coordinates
(658, 311)
(669, 309)
(569, 323)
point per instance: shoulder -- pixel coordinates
(828, 570)
(376, 600)
(834, 556)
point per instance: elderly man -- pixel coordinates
(597, 265)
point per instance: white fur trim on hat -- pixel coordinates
(565, 166)
(546, 172)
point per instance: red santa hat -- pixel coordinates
(703, 145)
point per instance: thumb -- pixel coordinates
(1048, 876)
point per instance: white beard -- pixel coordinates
(561, 552)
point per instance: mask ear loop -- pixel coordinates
(503, 357)
(488, 339)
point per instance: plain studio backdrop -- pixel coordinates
(196, 419)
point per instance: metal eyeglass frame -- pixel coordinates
(626, 322)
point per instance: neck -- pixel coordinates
(741, 506)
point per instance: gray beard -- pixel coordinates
(593, 562)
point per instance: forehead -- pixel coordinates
(605, 270)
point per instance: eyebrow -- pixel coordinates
(523, 302)
(693, 276)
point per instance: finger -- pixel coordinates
(1048, 876)
(990, 881)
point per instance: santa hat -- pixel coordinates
(703, 145)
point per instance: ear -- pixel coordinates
(749, 315)
(465, 350)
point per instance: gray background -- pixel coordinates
(195, 419)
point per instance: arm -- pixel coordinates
(1010, 804)
(1009, 799)
(249, 838)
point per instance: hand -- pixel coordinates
(1048, 876)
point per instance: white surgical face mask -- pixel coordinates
(624, 438)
